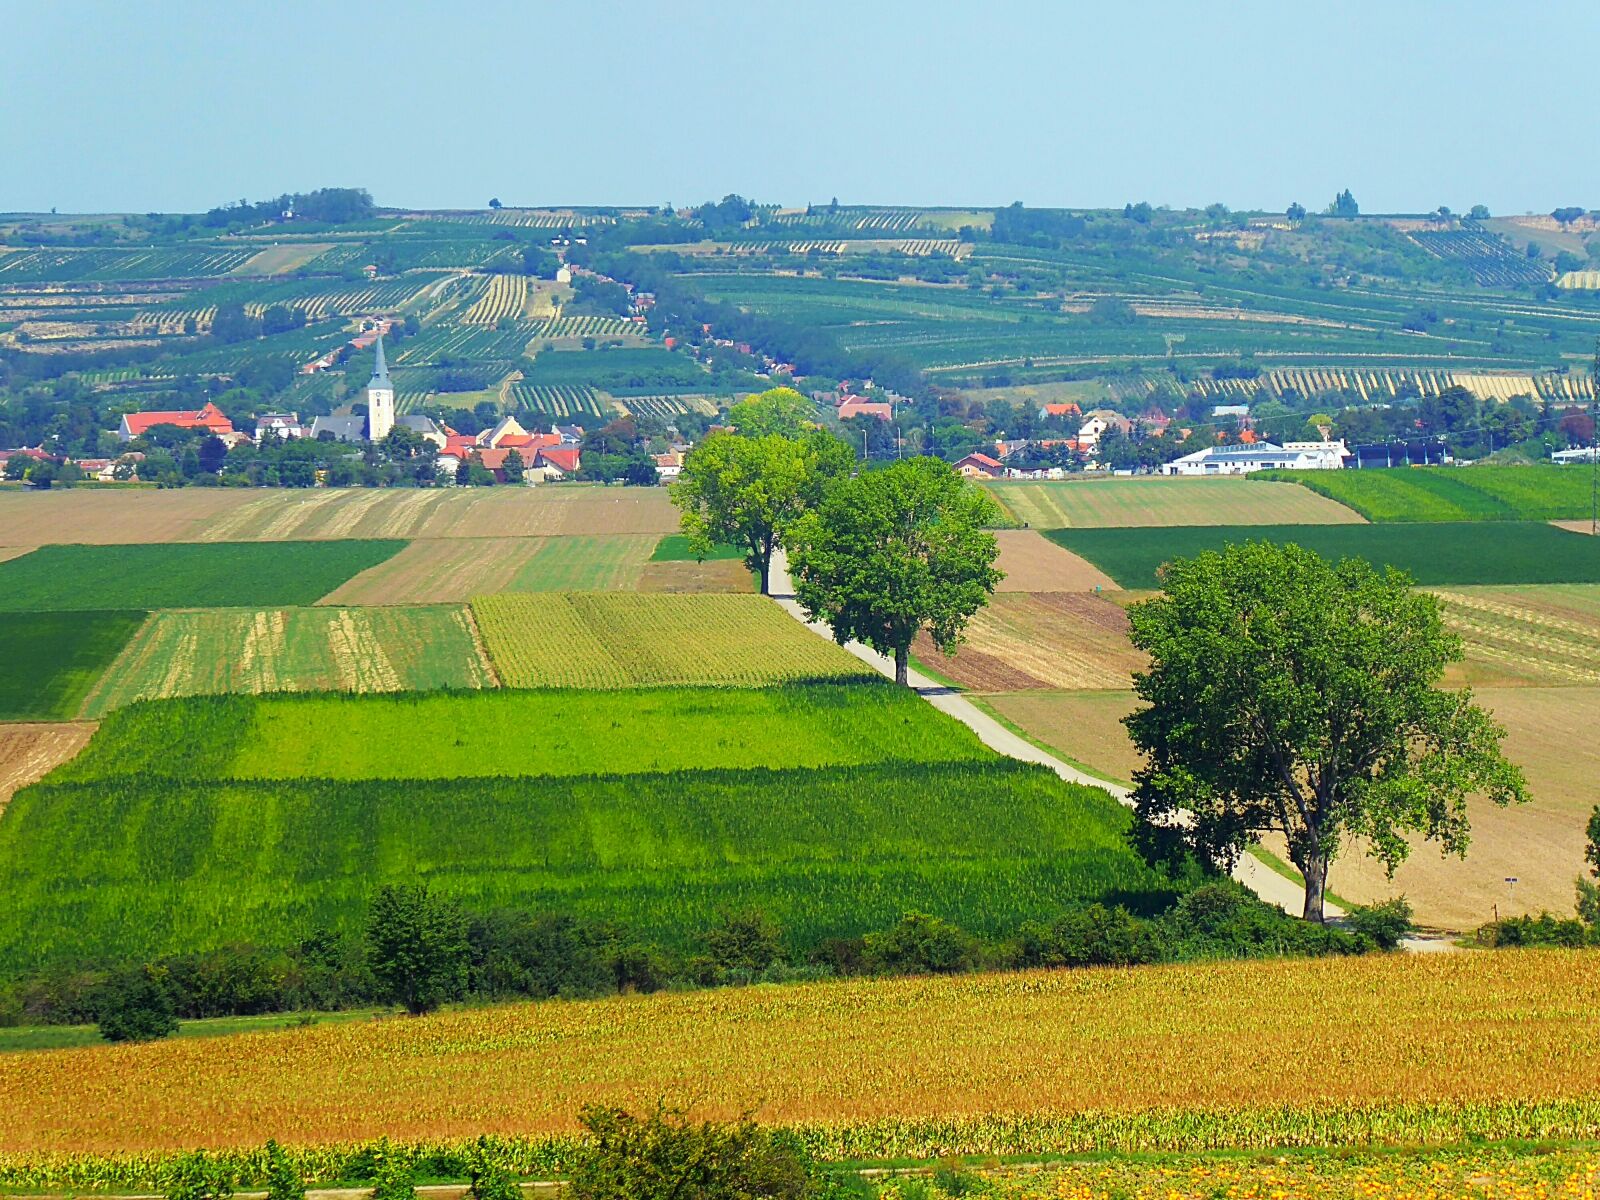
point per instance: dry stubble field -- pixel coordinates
(29, 751)
(104, 516)
(1242, 1046)
(1033, 563)
(1034, 640)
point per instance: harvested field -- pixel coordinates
(103, 516)
(439, 571)
(219, 651)
(1550, 734)
(1547, 635)
(713, 575)
(1157, 500)
(1320, 1051)
(1040, 640)
(15, 551)
(1033, 563)
(1084, 726)
(28, 752)
(619, 639)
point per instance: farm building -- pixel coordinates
(208, 417)
(1243, 459)
(856, 407)
(974, 465)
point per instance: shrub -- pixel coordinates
(395, 1180)
(1543, 930)
(284, 1182)
(417, 946)
(197, 1176)
(743, 940)
(1224, 920)
(665, 1154)
(489, 1181)
(1387, 924)
(921, 945)
(1091, 936)
(134, 1007)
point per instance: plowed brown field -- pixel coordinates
(28, 752)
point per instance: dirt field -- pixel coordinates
(716, 575)
(1158, 500)
(15, 551)
(1033, 563)
(1549, 734)
(27, 752)
(104, 516)
(217, 651)
(1040, 640)
(1085, 726)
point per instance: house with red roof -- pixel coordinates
(209, 418)
(857, 407)
(974, 465)
(1059, 410)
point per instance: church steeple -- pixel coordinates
(380, 399)
(380, 369)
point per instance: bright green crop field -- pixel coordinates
(1444, 553)
(675, 548)
(462, 734)
(51, 660)
(1478, 493)
(145, 865)
(183, 575)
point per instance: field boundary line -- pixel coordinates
(481, 645)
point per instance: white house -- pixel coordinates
(1333, 453)
(1241, 460)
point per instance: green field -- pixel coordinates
(675, 548)
(1478, 493)
(584, 564)
(183, 575)
(446, 735)
(1160, 500)
(218, 651)
(167, 854)
(621, 639)
(1459, 553)
(51, 660)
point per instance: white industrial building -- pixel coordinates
(1259, 456)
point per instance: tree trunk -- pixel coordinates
(766, 573)
(902, 662)
(1315, 871)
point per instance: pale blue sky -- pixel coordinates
(123, 105)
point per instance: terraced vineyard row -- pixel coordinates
(560, 400)
(1492, 260)
(465, 342)
(504, 297)
(667, 407)
(553, 329)
(1380, 386)
(162, 263)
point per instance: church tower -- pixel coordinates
(380, 399)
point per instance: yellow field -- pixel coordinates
(1275, 1052)
(1033, 563)
(280, 260)
(620, 639)
(1549, 634)
(104, 517)
(1158, 500)
(1041, 640)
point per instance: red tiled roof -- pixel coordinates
(208, 417)
(858, 408)
(983, 460)
(1061, 410)
(565, 458)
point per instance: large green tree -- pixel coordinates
(749, 491)
(780, 410)
(894, 551)
(1288, 694)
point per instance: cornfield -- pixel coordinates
(1383, 1051)
(602, 640)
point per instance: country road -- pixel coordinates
(1250, 871)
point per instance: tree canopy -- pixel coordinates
(417, 946)
(891, 552)
(1289, 694)
(749, 491)
(779, 410)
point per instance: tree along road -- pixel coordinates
(1250, 871)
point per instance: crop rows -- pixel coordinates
(1477, 493)
(447, 341)
(560, 400)
(526, 219)
(172, 321)
(600, 328)
(504, 297)
(353, 301)
(1382, 386)
(623, 640)
(667, 407)
(1491, 259)
(157, 263)
(1029, 1065)
(1581, 280)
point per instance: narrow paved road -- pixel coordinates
(1251, 871)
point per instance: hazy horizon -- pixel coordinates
(1410, 105)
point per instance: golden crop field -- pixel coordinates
(1033, 563)
(1160, 500)
(105, 517)
(1545, 634)
(621, 639)
(1399, 1048)
(28, 752)
(1024, 640)
(219, 650)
